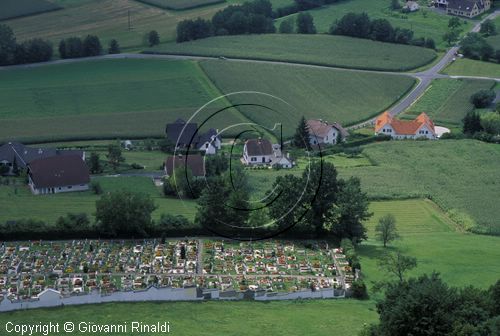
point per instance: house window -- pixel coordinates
(206, 145)
(263, 159)
(253, 159)
(69, 187)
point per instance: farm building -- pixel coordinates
(421, 127)
(323, 132)
(257, 152)
(281, 159)
(411, 6)
(467, 8)
(16, 154)
(185, 135)
(57, 174)
(193, 161)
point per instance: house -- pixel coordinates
(193, 161)
(323, 132)
(411, 6)
(186, 135)
(467, 8)
(257, 152)
(279, 159)
(56, 174)
(421, 127)
(16, 154)
(441, 3)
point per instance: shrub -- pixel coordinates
(96, 187)
(483, 98)
(359, 290)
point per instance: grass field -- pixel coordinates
(460, 175)
(338, 51)
(17, 8)
(102, 99)
(468, 67)
(180, 4)
(425, 23)
(448, 100)
(18, 202)
(334, 95)
(108, 19)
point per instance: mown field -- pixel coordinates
(180, 4)
(425, 23)
(17, 202)
(17, 8)
(334, 95)
(448, 100)
(338, 51)
(108, 19)
(461, 176)
(468, 67)
(495, 40)
(102, 99)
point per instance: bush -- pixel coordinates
(96, 187)
(359, 290)
(136, 166)
(483, 98)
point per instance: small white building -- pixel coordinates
(412, 6)
(280, 159)
(421, 127)
(209, 142)
(322, 132)
(257, 152)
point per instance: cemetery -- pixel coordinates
(84, 271)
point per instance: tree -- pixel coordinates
(454, 23)
(382, 30)
(497, 55)
(286, 26)
(386, 229)
(305, 24)
(124, 213)
(359, 290)
(352, 24)
(95, 163)
(301, 138)
(483, 98)
(487, 52)
(115, 156)
(31, 51)
(153, 38)
(488, 28)
(397, 264)
(71, 47)
(451, 36)
(114, 47)
(395, 5)
(288, 205)
(472, 123)
(7, 45)
(91, 46)
(429, 43)
(403, 35)
(490, 122)
(212, 211)
(237, 23)
(303, 5)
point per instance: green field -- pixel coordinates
(180, 4)
(22, 204)
(17, 8)
(495, 40)
(334, 95)
(468, 67)
(102, 99)
(430, 24)
(337, 51)
(461, 176)
(447, 100)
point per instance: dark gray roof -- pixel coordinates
(24, 155)
(193, 162)
(180, 133)
(59, 171)
(259, 147)
(206, 137)
(465, 5)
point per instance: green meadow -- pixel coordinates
(468, 67)
(180, 4)
(334, 95)
(337, 51)
(102, 99)
(17, 8)
(448, 100)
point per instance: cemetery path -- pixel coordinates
(199, 258)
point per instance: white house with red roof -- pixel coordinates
(420, 127)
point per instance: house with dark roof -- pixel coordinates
(257, 152)
(57, 174)
(421, 127)
(185, 135)
(467, 8)
(15, 153)
(325, 133)
(192, 161)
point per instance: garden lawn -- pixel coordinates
(17, 202)
(338, 51)
(427, 233)
(180, 4)
(102, 99)
(448, 100)
(245, 318)
(468, 67)
(17, 8)
(461, 176)
(425, 23)
(344, 96)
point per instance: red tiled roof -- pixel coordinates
(194, 162)
(404, 127)
(321, 128)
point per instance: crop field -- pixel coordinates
(460, 176)
(108, 19)
(333, 95)
(468, 67)
(337, 51)
(448, 100)
(102, 99)
(425, 23)
(17, 8)
(18, 202)
(180, 4)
